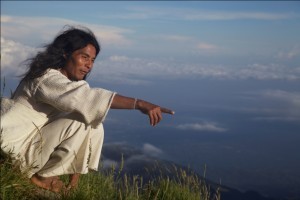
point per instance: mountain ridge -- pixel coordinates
(134, 162)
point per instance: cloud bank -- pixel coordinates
(142, 13)
(46, 28)
(124, 69)
(114, 153)
(274, 105)
(12, 55)
(205, 126)
(151, 150)
(134, 70)
(223, 16)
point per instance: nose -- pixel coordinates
(89, 64)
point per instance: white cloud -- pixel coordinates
(139, 71)
(141, 13)
(135, 159)
(117, 58)
(215, 15)
(124, 69)
(291, 98)
(151, 150)
(119, 68)
(275, 119)
(205, 126)
(282, 94)
(267, 72)
(280, 105)
(178, 38)
(45, 29)
(206, 47)
(107, 164)
(190, 42)
(12, 54)
(289, 54)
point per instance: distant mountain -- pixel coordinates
(137, 162)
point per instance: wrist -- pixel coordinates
(134, 103)
(138, 104)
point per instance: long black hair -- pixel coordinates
(59, 51)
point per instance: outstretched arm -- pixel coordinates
(153, 111)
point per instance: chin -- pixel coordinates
(79, 78)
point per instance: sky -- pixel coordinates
(229, 69)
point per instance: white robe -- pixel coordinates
(53, 126)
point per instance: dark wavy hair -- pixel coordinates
(59, 51)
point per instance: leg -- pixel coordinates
(76, 154)
(56, 145)
(95, 147)
(64, 146)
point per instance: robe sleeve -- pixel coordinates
(74, 96)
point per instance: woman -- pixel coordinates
(53, 124)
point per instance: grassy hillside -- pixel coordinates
(109, 185)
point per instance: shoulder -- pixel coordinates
(54, 79)
(54, 76)
(50, 73)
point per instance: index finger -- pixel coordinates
(166, 110)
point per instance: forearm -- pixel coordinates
(153, 111)
(122, 102)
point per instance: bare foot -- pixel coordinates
(53, 184)
(73, 182)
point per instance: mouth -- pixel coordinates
(84, 72)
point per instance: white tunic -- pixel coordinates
(44, 101)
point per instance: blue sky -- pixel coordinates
(226, 36)
(230, 70)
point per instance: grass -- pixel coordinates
(107, 185)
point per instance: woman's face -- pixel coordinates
(80, 63)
